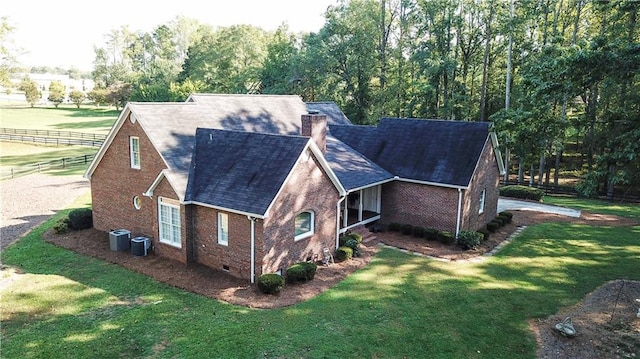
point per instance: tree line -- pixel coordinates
(558, 79)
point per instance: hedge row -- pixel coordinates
(427, 233)
(272, 283)
(502, 219)
(522, 192)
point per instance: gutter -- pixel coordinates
(253, 248)
(459, 212)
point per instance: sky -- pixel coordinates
(64, 32)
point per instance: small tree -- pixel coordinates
(118, 94)
(98, 95)
(31, 92)
(77, 97)
(56, 93)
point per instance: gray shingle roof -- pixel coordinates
(444, 152)
(352, 168)
(242, 171)
(334, 114)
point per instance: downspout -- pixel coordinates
(459, 212)
(338, 220)
(253, 248)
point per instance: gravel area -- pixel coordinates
(28, 201)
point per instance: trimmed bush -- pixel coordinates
(80, 218)
(522, 192)
(418, 231)
(310, 269)
(504, 219)
(485, 233)
(506, 214)
(344, 253)
(394, 227)
(354, 245)
(61, 226)
(270, 283)
(469, 239)
(355, 236)
(499, 221)
(431, 234)
(492, 226)
(446, 237)
(406, 229)
(296, 273)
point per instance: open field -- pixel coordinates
(65, 118)
(60, 303)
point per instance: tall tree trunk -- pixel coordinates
(532, 175)
(507, 95)
(556, 172)
(485, 65)
(520, 171)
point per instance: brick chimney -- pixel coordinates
(314, 125)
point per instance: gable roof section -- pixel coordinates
(241, 171)
(432, 151)
(334, 114)
(353, 169)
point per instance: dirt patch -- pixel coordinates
(607, 327)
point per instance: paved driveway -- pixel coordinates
(509, 204)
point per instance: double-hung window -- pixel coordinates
(223, 229)
(304, 225)
(134, 152)
(169, 220)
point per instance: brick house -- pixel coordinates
(250, 184)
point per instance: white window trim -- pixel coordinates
(223, 218)
(308, 233)
(163, 202)
(134, 156)
(483, 195)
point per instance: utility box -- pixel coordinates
(140, 246)
(119, 240)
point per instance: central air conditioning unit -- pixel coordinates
(140, 246)
(119, 240)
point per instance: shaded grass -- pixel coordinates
(399, 305)
(596, 206)
(16, 154)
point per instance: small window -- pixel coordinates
(134, 152)
(482, 197)
(223, 229)
(304, 225)
(137, 203)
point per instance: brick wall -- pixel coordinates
(308, 189)
(486, 177)
(419, 205)
(114, 184)
(236, 255)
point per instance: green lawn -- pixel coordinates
(65, 118)
(596, 206)
(72, 306)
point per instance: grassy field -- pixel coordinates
(65, 118)
(595, 206)
(68, 305)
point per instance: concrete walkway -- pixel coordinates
(509, 204)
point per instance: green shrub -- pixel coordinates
(310, 269)
(356, 236)
(61, 226)
(270, 283)
(354, 245)
(431, 234)
(499, 221)
(394, 227)
(522, 192)
(504, 218)
(492, 226)
(418, 231)
(469, 239)
(446, 237)
(406, 229)
(485, 233)
(344, 253)
(506, 214)
(80, 218)
(296, 273)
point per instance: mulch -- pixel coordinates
(220, 285)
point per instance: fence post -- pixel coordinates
(64, 162)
